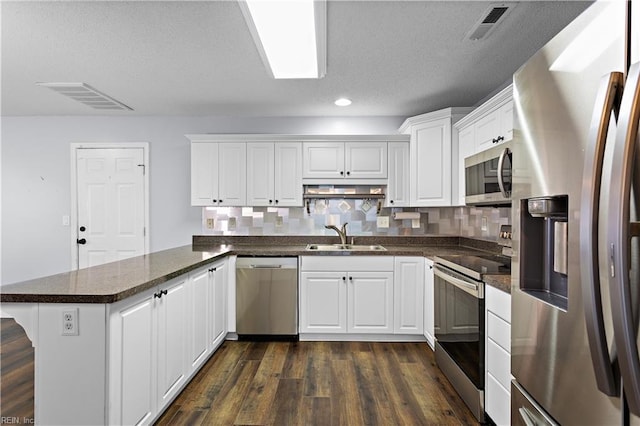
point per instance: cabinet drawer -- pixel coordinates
(498, 302)
(497, 402)
(499, 331)
(499, 363)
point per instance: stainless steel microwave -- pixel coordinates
(488, 176)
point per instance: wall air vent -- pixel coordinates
(87, 95)
(489, 20)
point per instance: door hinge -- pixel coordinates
(144, 169)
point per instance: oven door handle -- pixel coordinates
(474, 288)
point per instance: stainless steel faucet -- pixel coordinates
(341, 233)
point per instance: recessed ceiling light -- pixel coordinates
(87, 95)
(290, 35)
(343, 102)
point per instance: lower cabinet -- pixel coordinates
(361, 295)
(498, 355)
(159, 339)
(429, 306)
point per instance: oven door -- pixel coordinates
(459, 321)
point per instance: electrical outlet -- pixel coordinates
(70, 322)
(210, 223)
(483, 227)
(415, 223)
(383, 221)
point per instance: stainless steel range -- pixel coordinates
(459, 321)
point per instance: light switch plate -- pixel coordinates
(415, 223)
(484, 223)
(383, 221)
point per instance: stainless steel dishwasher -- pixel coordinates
(267, 297)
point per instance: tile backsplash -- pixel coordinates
(473, 222)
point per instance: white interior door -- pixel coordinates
(111, 204)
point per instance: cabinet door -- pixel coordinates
(398, 183)
(199, 283)
(409, 295)
(260, 173)
(218, 303)
(466, 147)
(429, 305)
(132, 370)
(366, 160)
(506, 121)
(323, 302)
(172, 342)
(431, 163)
(487, 131)
(288, 174)
(232, 174)
(323, 160)
(204, 174)
(370, 302)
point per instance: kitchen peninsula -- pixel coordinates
(142, 327)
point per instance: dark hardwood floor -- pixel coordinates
(319, 383)
(16, 373)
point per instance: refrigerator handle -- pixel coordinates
(607, 101)
(619, 239)
(504, 153)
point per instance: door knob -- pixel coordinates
(81, 241)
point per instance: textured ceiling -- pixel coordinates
(397, 58)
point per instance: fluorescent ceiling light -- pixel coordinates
(343, 102)
(290, 35)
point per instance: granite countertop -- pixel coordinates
(115, 281)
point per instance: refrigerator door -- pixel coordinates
(554, 98)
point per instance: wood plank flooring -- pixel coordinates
(16, 373)
(319, 383)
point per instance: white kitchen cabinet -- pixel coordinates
(466, 147)
(218, 174)
(498, 355)
(398, 170)
(172, 320)
(429, 324)
(274, 174)
(344, 160)
(323, 302)
(132, 369)
(409, 295)
(160, 338)
(148, 352)
(432, 144)
(343, 294)
(370, 302)
(495, 127)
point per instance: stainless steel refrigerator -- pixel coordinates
(576, 187)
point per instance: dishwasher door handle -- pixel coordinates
(266, 266)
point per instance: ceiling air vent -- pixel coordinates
(87, 95)
(489, 20)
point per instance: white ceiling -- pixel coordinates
(392, 58)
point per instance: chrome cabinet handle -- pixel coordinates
(619, 236)
(607, 101)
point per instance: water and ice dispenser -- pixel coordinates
(543, 272)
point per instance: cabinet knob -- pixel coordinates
(220, 201)
(344, 278)
(500, 138)
(277, 201)
(212, 269)
(341, 173)
(157, 295)
(390, 201)
(270, 201)
(82, 229)
(81, 241)
(350, 278)
(348, 173)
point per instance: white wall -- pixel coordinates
(36, 174)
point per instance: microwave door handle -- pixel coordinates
(607, 101)
(618, 238)
(503, 154)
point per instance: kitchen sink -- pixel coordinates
(344, 247)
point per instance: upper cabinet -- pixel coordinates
(274, 174)
(432, 147)
(489, 124)
(398, 183)
(345, 160)
(218, 174)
